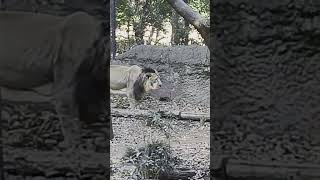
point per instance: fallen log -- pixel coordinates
(178, 174)
(271, 170)
(51, 163)
(164, 114)
(181, 173)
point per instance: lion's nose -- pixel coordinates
(160, 85)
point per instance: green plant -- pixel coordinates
(134, 18)
(156, 121)
(153, 160)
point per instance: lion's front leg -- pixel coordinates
(71, 129)
(71, 132)
(70, 124)
(133, 104)
(132, 101)
(131, 97)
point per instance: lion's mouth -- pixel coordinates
(156, 87)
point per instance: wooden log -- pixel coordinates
(180, 173)
(272, 170)
(128, 113)
(51, 163)
(165, 114)
(194, 116)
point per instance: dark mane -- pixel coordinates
(148, 70)
(91, 83)
(138, 86)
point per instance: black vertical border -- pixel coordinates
(1, 141)
(108, 58)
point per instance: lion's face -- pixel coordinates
(152, 81)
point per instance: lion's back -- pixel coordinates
(31, 43)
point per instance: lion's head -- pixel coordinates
(148, 80)
(152, 81)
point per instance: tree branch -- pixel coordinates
(193, 17)
(177, 114)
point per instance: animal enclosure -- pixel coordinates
(184, 71)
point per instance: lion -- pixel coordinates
(67, 52)
(135, 80)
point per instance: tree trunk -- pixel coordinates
(139, 28)
(200, 23)
(185, 34)
(113, 28)
(128, 30)
(186, 30)
(138, 33)
(157, 37)
(151, 35)
(175, 38)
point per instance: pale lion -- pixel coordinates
(135, 80)
(67, 52)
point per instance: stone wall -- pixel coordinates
(266, 80)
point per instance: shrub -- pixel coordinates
(152, 161)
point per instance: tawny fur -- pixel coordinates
(67, 52)
(133, 81)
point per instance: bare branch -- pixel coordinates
(193, 17)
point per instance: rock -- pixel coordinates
(16, 125)
(5, 115)
(35, 178)
(51, 142)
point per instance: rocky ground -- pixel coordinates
(184, 72)
(31, 137)
(189, 139)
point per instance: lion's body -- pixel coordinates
(67, 52)
(31, 45)
(134, 79)
(122, 76)
(25, 49)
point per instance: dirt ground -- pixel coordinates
(189, 139)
